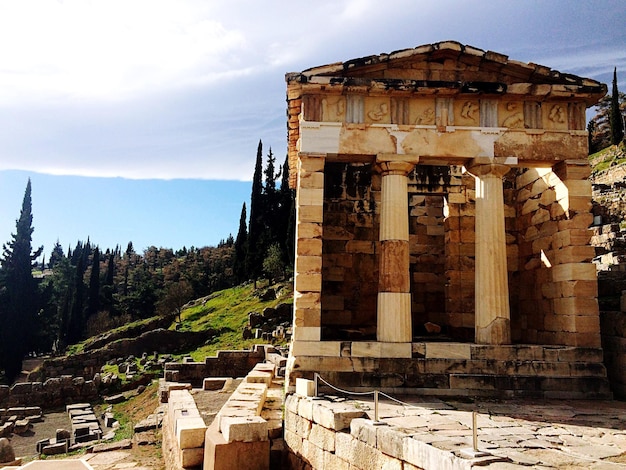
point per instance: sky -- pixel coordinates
(138, 120)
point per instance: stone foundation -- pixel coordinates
(460, 369)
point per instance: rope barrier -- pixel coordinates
(375, 393)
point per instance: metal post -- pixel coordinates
(376, 405)
(474, 433)
(315, 376)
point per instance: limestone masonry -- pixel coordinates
(443, 213)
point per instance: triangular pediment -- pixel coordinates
(447, 61)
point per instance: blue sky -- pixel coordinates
(139, 120)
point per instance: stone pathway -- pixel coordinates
(522, 433)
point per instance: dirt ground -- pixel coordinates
(210, 402)
(146, 451)
(25, 445)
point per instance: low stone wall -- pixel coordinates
(249, 425)
(224, 364)
(54, 392)
(186, 428)
(88, 363)
(321, 434)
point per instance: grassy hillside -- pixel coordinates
(608, 158)
(227, 312)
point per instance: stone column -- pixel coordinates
(394, 285)
(492, 313)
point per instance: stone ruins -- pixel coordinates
(442, 241)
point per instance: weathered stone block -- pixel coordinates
(190, 432)
(322, 437)
(222, 455)
(335, 416)
(191, 457)
(244, 429)
(305, 388)
(448, 350)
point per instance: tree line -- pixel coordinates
(84, 290)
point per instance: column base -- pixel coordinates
(497, 332)
(394, 317)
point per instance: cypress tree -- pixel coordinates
(617, 121)
(287, 216)
(241, 243)
(254, 250)
(93, 296)
(76, 316)
(107, 287)
(18, 291)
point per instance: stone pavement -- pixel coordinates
(572, 434)
(113, 460)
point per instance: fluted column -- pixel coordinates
(394, 285)
(492, 313)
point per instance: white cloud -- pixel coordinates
(110, 49)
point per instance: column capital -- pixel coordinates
(394, 168)
(482, 169)
(395, 164)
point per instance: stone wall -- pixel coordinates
(89, 363)
(224, 364)
(54, 392)
(558, 288)
(350, 260)
(321, 434)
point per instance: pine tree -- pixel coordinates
(617, 120)
(18, 291)
(241, 244)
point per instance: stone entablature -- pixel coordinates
(402, 100)
(445, 185)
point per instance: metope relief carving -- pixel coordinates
(557, 117)
(513, 115)
(466, 113)
(557, 114)
(334, 109)
(379, 113)
(427, 118)
(377, 110)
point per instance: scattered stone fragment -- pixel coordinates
(6, 451)
(55, 449)
(113, 399)
(123, 444)
(21, 426)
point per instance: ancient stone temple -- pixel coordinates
(442, 240)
